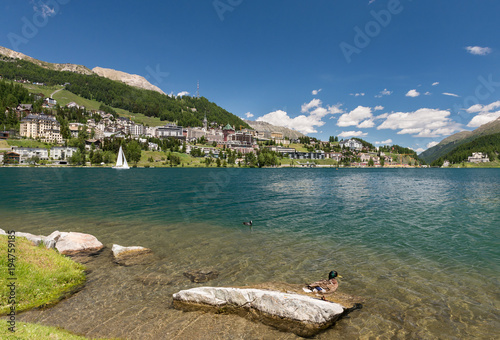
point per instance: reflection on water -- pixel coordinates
(420, 246)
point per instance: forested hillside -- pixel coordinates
(10, 96)
(185, 111)
(489, 145)
(448, 144)
(399, 150)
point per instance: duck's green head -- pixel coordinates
(333, 274)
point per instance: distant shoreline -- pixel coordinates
(320, 166)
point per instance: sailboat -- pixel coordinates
(121, 161)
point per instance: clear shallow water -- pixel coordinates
(421, 246)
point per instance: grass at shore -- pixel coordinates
(160, 160)
(29, 331)
(494, 164)
(43, 276)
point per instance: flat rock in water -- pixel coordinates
(77, 244)
(200, 276)
(129, 256)
(302, 315)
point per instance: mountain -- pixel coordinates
(129, 79)
(452, 142)
(50, 66)
(185, 111)
(487, 144)
(263, 126)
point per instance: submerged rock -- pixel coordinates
(129, 256)
(302, 315)
(76, 243)
(200, 276)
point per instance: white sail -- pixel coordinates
(121, 161)
(125, 164)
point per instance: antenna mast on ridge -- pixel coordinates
(198, 90)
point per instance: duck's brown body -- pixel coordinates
(327, 286)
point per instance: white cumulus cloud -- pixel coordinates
(431, 144)
(413, 93)
(435, 83)
(302, 123)
(357, 94)
(315, 92)
(421, 123)
(385, 92)
(485, 114)
(385, 142)
(483, 108)
(306, 123)
(249, 115)
(361, 117)
(345, 134)
(378, 108)
(450, 94)
(183, 93)
(312, 104)
(45, 10)
(477, 50)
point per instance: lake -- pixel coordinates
(420, 246)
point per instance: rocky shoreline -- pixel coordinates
(277, 305)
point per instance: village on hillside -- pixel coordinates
(212, 144)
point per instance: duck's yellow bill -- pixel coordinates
(340, 276)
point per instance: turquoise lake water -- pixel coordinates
(421, 246)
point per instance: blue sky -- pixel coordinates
(393, 72)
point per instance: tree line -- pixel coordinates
(11, 95)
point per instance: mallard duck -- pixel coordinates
(247, 223)
(324, 286)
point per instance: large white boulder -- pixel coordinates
(76, 243)
(300, 314)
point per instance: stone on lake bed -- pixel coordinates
(200, 276)
(300, 314)
(129, 256)
(154, 279)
